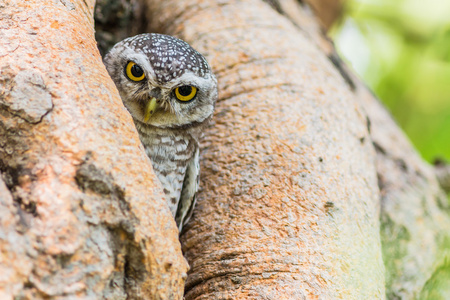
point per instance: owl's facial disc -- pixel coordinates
(157, 102)
(162, 81)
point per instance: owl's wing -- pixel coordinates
(188, 191)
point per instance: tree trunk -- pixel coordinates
(290, 202)
(82, 213)
(299, 166)
(414, 210)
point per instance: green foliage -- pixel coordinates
(402, 50)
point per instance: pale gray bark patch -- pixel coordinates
(100, 188)
(69, 5)
(15, 242)
(27, 96)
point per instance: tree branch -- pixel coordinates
(82, 213)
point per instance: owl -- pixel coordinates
(170, 91)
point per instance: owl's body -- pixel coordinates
(170, 92)
(175, 159)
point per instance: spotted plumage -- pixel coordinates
(170, 91)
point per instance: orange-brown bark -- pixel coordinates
(413, 208)
(289, 207)
(82, 213)
(292, 168)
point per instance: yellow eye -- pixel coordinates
(185, 92)
(134, 72)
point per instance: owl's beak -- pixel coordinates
(150, 108)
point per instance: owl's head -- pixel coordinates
(162, 80)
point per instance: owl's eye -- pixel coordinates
(185, 93)
(134, 71)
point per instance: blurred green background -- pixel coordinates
(401, 48)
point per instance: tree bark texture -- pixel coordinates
(414, 211)
(290, 201)
(82, 214)
(299, 167)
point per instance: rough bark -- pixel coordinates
(289, 207)
(286, 183)
(296, 168)
(81, 213)
(414, 211)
